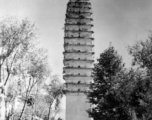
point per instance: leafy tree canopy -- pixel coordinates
(105, 104)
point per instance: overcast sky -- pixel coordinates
(118, 21)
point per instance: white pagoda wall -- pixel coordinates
(77, 71)
(76, 34)
(78, 48)
(77, 105)
(76, 79)
(78, 57)
(76, 28)
(77, 87)
(81, 21)
(79, 10)
(83, 5)
(82, 64)
(79, 0)
(76, 41)
(82, 56)
(75, 15)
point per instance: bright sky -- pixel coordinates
(118, 21)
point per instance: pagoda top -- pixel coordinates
(79, 0)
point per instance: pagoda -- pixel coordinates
(78, 58)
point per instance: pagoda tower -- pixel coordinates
(78, 58)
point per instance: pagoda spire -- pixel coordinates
(78, 57)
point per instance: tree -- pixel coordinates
(15, 40)
(23, 66)
(135, 91)
(41, 106)
(32, 70)
(55, 91)
(142, 98)
(47, 102)
(102, 96)
(141, 52)
(127, 90)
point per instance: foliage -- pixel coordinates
(41, 106)
(142, 59)
(141, 52)
(46, 100)
(55, 91)
(15, 41)
(32, 71)
(117, 93)
(23, 66)
(102, 96)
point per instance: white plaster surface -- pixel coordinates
(78, 48)
(78, 34)
(76, 21)
(79, 0)
(76, 79)
(79, 9)
(77, 28)
(76, 106)
(76, 41)
(82, 64)
(74, 71)
(78, 53)
(83, 56)
(77, 87)
(82, 4)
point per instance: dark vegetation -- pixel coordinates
(117, 93)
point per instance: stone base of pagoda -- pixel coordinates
(76, 106)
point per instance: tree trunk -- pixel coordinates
(49, 111)
(27, 94)
(2, 106)
(22, 111)
(134, 117)
(2, 98)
